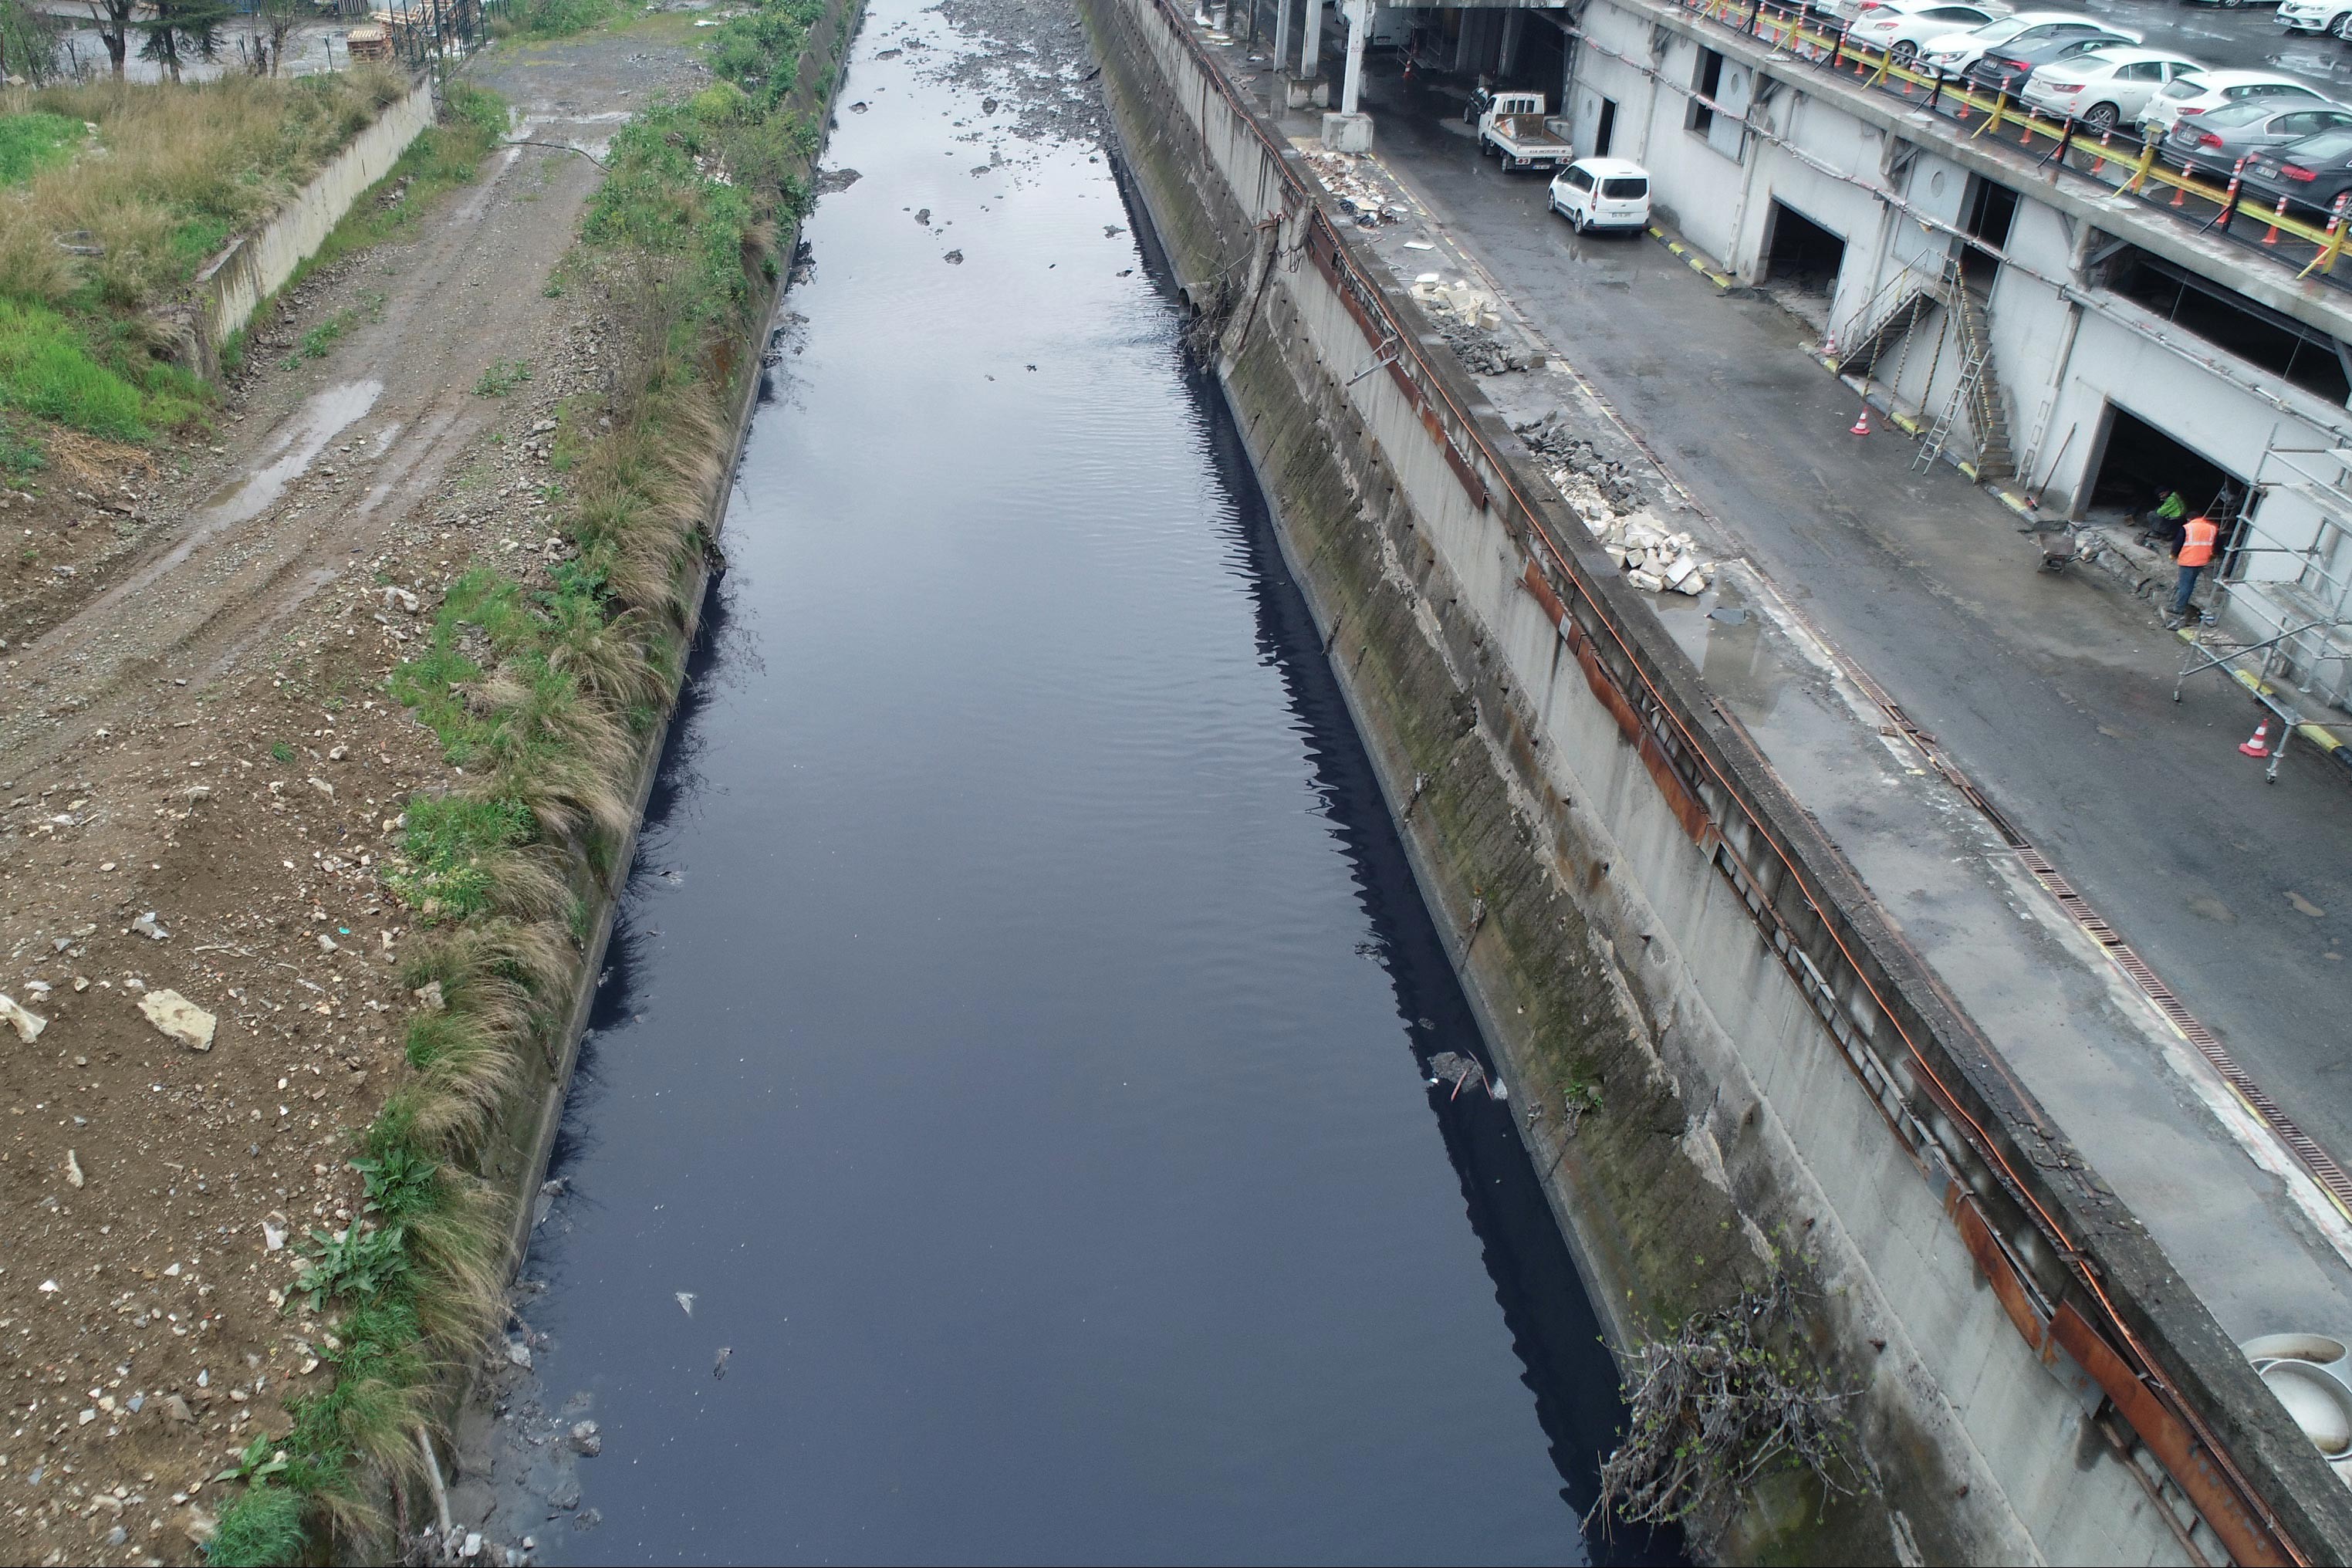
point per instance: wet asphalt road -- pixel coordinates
(2051, 693)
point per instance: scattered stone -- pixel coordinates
(145, 926)
(28, 1025)
(73, 1171)
(327, 943)
(519, 1354)
(323, 787)
(273, 1236)
(179, 1018)
(585, 1440)
(176, 1409)
(428, 996)
(828, 181)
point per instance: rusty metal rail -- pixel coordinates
(1699, 788)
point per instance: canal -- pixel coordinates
(1005, 1129)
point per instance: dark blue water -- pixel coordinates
(1016, 1034)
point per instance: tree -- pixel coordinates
(112, 20)
(276, 19)
(181, 28)
(29, 41)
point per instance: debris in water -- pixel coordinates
(954, 259)
(719, 1367)
(1453, 1068)
(686, 1299)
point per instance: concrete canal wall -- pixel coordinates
(1641, 910)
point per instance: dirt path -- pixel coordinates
(207, 738)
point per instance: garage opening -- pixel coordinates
(1992, 211)
(1800, 265)
(2141, 465)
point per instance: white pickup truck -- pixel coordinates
(1514, 127)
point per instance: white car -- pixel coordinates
(2202, 91)
(2101, 88)
(1954, 53)
(1900, 26)
(1603, 192)
(2317, 17)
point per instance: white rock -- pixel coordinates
(323, 787)
(1680, 569)
(177, 1017)
(272, 1237)
(28, 1025)
(74, 1178)
(1692, 585)
(145, 926)
(1648, 581)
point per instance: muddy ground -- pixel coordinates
(192, 724)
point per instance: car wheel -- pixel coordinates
(2342, 26)
(2101, 118)
(1903, 52)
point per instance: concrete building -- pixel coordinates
(2083, 348)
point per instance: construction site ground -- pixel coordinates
(1850, 581)
(194, 724)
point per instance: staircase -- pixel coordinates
(1861, 356)
(1980, 389)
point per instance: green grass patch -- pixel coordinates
(446, 155)
(444, 842)
(558, 19)
(32, 142)
(502, 377)
(261, 1527)
(49, 368)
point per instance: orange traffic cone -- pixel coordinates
(2100, 161)
(2258, 746)
(1860, 426)
(2271, 238)
(2180, 191)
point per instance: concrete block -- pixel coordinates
(1304, 91)
(1348, 133)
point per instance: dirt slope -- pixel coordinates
(205, 737)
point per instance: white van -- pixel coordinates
(1603, 192)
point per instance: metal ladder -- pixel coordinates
(1971, 371)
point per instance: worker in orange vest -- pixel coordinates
(2196, 551)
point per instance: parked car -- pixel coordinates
(2201, 92)
(2310, 173)
(2104, 88)
(1603, 192)
(1954, 53)
(2317, 17)
(2217, 140)
(2007, 67)
(1900, 26)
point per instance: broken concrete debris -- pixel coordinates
(1653, 559)
(180, 1019)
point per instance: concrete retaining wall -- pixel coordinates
(233, 285)
(1637, 905)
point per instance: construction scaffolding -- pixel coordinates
(2285, 636)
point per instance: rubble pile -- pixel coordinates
(1654, 560)
(1355, 194)
(1578, 469)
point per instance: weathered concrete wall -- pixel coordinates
(1636, 904)
(233, 285)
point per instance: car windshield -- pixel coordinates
(2187, 87)
(1999, 32)
(1624, 187)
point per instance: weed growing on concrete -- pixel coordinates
(1716, 1405)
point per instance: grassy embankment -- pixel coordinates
(112, 196)
(551, 727)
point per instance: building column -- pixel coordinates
(1310, 46)
(1281, 34)
(1358, 15)
(1513, 20)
